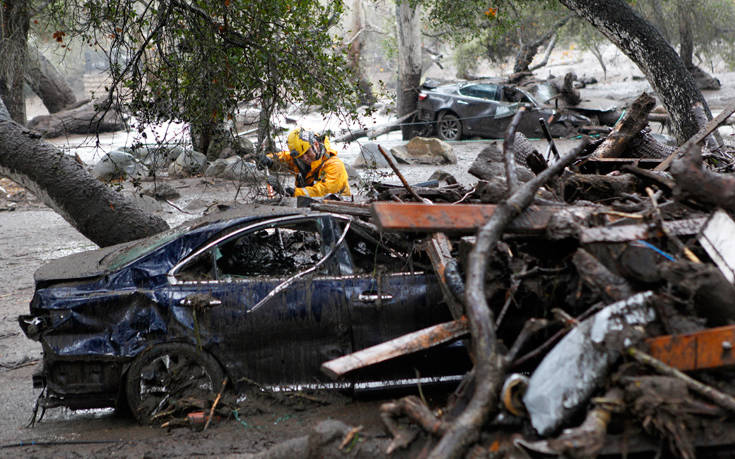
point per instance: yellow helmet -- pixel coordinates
(299, 141)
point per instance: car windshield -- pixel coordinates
(126, 253)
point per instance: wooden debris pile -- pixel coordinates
(594, 290)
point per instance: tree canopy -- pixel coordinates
(198, 60)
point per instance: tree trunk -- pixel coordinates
(645, 46)
(686, 40)
(529, 49)
(93, 208)
(409, 60)
(13, 38)
(48, 83)
(354, 53)
(84, 119)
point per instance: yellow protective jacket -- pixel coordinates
(327, 175)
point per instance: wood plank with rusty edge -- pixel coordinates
(711, 348)
(406, 344)
(457, 218)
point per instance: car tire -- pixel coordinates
(449, 127)
(169, 371)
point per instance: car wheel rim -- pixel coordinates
(450, 128)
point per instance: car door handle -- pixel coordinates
(200, 300)
(461, 102)
(372, 297)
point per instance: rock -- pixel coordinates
(370, 157)
(157, 157)
(489, 165)
(118, 165)
(187, 164)
(424, 150)
(234, 168)
(352, 173)
(161, 191)
(443, 176)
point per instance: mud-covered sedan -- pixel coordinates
(466, 109)
(262, 295)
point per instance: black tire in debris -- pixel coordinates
(168, 372)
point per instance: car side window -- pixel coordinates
(483, 91)
(281, 251)
(372, 253)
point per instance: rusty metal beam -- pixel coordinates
(406, 344)
(459, 218)
(711, 348)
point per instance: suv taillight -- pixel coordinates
(422, 96)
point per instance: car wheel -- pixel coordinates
(168, 372)
(449, 127)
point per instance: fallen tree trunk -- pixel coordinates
(592, 187)
(635, 119)
(94, 209)
(85, 119)
(374, 131)
(706, 187)
(48, 83)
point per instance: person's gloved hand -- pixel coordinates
(263, 161)
(289, 191)
(277, 187)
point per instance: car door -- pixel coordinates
(390, 294)
(266, 301)
(475, 109)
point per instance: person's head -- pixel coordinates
(303, 145)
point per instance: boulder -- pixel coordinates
(161, 191)
(224, 145)
(187, 164)
(424, 150)
(234, 168)
(118, 164)
(157, 157)
(370, 157)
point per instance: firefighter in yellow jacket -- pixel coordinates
(318, 170)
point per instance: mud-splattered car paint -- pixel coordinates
(270, 293)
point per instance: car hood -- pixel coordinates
(78, 265)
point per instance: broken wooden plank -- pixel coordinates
(406, 344)
(439, 249)
(698, 137)
(625, 233)
(711, 348)
(339, 207)
(460, 218)
(717, 240)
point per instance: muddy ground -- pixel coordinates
(32, 234)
